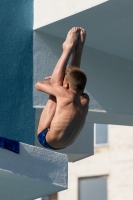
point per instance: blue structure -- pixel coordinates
(17, 120)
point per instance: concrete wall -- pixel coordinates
(109, 81)
(16, 70)
(115, 161)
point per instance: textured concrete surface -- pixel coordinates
(33, 173)
(16, 70)
(114, 161)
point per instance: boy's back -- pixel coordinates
(69, 118)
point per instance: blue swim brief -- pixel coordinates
(42, 139)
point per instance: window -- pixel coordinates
(100, 134)
(93, 188)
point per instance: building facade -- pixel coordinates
(108, 174)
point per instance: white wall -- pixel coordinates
(48, 11)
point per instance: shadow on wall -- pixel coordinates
(110, 80)
(47, 50)
(108, 27)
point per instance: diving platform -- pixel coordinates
(33, 173)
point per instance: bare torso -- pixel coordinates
(68, 120)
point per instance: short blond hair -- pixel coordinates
(76, 78)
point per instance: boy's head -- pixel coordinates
(76, 78)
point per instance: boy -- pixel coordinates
(65, 112)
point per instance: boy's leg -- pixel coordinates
(68, 47)
(57, 78)
(77, 53)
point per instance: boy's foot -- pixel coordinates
(79, 46)
(77, 53)
(71, 39)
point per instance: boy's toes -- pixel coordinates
(82, 30)
(75, 29)
(71, 39)
(82, 34)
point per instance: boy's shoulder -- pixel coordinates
(62, 91)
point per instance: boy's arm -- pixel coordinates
(48, 88)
